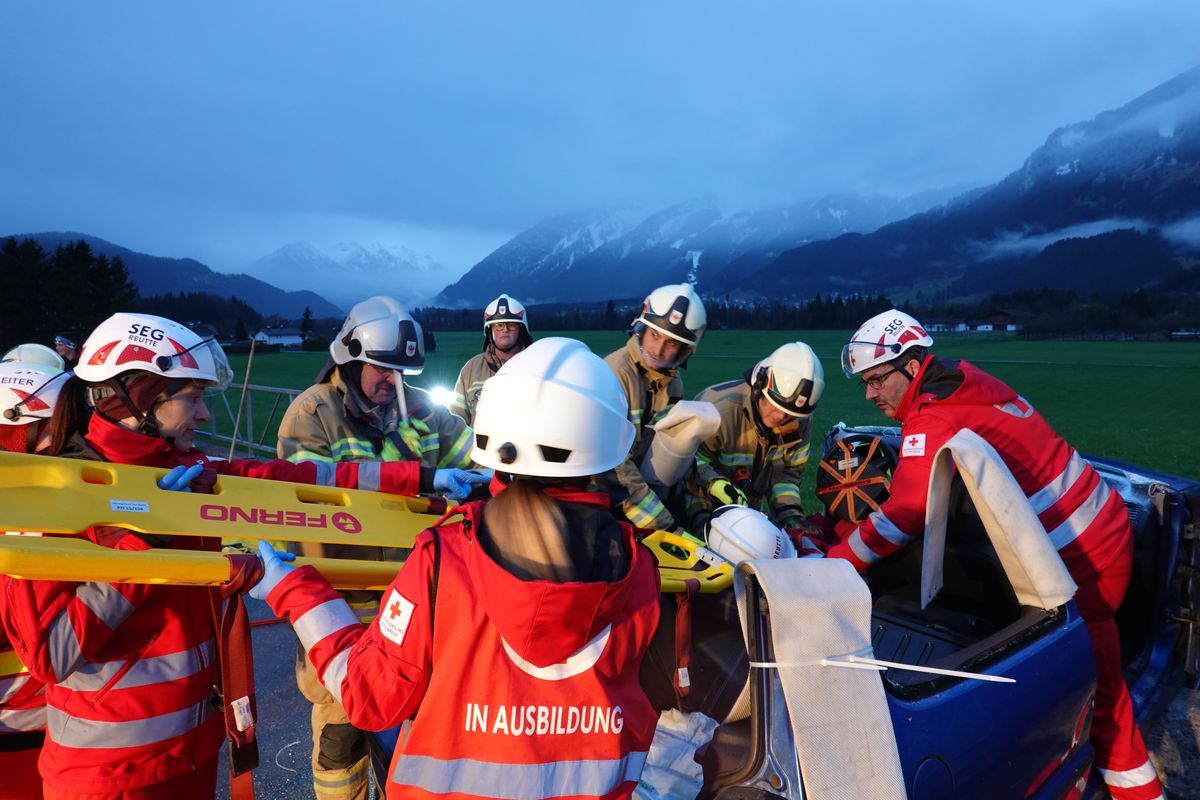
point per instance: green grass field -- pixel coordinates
(1133, 401)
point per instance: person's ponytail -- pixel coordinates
(528, 533)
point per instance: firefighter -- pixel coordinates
(129, 668)
(664, 335)
(362, 409)
(933, 398)
(28, 393)
(515, 635)
(505, 333)
(758, 454)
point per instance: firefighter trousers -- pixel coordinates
(1121, 753)
(340, 764)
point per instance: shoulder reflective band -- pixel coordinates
(59, 495)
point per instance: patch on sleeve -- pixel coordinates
(395, 615)
(914, 445)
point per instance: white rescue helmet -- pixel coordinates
(792, 379)
(28, 392)
(739, 533)
(33, 353)
(676, 311)
(145, 343)
(506, 309)
(380, 331)
(554, 410)
(881, 339)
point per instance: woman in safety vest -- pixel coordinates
(514, 635)
(130, 668)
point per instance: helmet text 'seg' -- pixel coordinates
(791, 379)
(554, 410)
(881, 339)
(380, 331)
(142, 342)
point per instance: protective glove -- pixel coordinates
(275, 569)
(178, 478)
(724, 492)
(457, 483)
(816, 526)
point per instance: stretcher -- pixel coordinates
(67, 496)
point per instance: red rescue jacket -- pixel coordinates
(527, 685)
(129, 668)
(1084, 518)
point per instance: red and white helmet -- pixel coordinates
(33, 353)
(792, 379)
(676, 311)
(28, 392)
(554, 410)
(380, 331)
(145, 343)
(506, 309)
(881, 339)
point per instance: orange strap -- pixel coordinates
(237, 674)
(683, 637)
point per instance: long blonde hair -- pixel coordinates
(529, 533)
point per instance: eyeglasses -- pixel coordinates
(64, 342)
(877, 382)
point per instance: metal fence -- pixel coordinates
(257, 430)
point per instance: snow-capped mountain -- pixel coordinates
(588, 257)
(1050, 223)
(349, 271)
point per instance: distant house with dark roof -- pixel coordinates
(284, 337)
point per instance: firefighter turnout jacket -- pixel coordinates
(470, 383)
(1085, 519)
(651, 392)
(765, 464)
(130, 669)
(527, 685)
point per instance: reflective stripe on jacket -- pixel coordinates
(471, 378)
(1084, 518)
(130, 668)
(528, 686)
(650, 393)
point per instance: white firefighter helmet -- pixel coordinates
(791, 379)
(33, 353)
(881, 339)
(506, 309)
(676, 311)
(739, 533)
(380, 331)
(28, 392)
(145, 343)
(554, 410)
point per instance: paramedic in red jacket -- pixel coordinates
(934, 398)
(129, 668)
(514, 635)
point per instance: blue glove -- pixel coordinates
(274, 570)
(457, 483)
(178, 478)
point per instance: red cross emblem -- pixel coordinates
(394, 609)
(912, 441)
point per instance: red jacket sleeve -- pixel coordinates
(380, 673)
(393, 477)
(900, 520)
(56, 626)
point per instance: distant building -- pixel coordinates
(284, 337)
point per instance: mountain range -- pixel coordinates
(159, 275)
(1110, 204)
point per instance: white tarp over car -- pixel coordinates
(843, 731)
(1038, 576)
